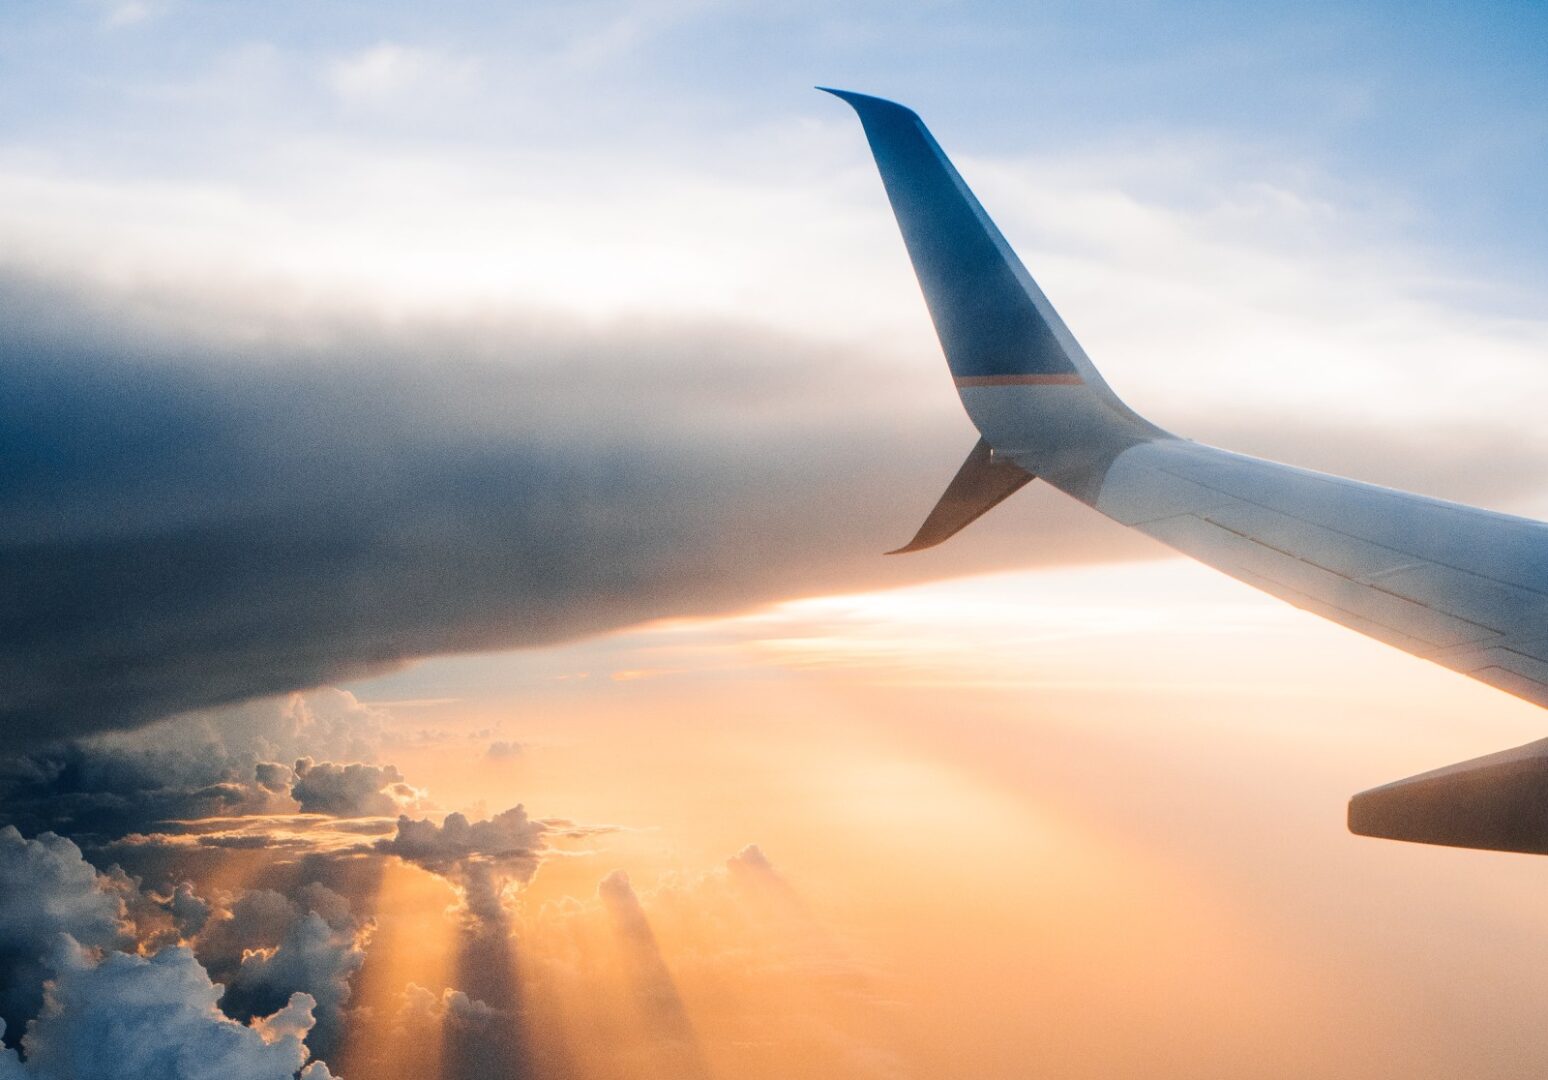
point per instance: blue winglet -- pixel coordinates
(993, 322)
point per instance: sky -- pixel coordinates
(445, 456)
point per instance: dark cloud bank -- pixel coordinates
(201, 502)
(190, 517)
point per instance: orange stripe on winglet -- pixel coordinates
(1070, 379)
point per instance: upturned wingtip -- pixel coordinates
(861, 102)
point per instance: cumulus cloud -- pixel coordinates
(479, 1041)
(206, 780)
(47, 889)
(121, 13)
(350, 790)
(458, 1010)
(312, 958)
(484, 860)
(510, 839)
(274, 776)
(750, 860)
(190, 913)
(267, 947)
(133, 1016)
(752, 869)
(217, 765)
(422, 1026)
(261, 946)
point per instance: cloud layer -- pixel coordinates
(131, 1016)
(185, 530)
(193, 517)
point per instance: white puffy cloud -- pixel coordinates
(218, 763)
(350, 790)
(122, 13)
(510, 839)
(313, 959)
(47, 889)
(453, 1007)
(128, 1017)
(423, 1026)
(189, 911)
(267, 946)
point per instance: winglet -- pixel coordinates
(858, 99)
(982, 483)
(995, 325)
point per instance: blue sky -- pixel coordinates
(1439, 106)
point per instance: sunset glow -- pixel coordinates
(977, 837)
(447, 454)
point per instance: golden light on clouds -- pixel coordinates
(1088, 819)
(348, 337)
(412, 946)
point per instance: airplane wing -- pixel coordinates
(1464, 587)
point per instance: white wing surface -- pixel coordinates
(1464, 587)
(1450, 583)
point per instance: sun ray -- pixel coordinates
(412, 946)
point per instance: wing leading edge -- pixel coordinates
(1463, 587)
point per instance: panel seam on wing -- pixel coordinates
(1351, 536)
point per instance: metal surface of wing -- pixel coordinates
(1457, 585)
